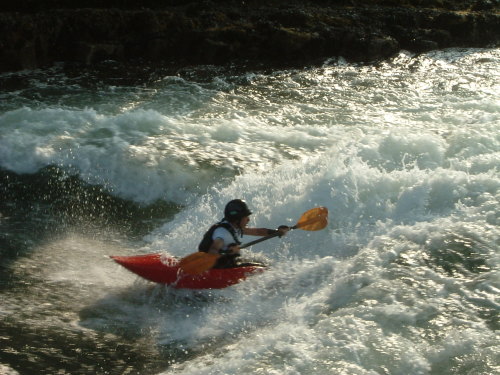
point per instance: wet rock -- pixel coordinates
(39, 33)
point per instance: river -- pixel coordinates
(124, 160)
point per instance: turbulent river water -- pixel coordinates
(119, 160)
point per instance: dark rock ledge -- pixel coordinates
(36, 33)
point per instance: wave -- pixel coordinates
(403, 280)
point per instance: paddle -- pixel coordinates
(199, 262)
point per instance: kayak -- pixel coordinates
(165, 270)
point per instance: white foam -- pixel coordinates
(178, 137)
(6, 370)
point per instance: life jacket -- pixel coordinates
(207, 240)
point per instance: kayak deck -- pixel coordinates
(165, 270)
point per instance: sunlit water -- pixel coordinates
(404, 280)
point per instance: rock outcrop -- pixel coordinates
(285, 33)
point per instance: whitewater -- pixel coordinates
(404, 153)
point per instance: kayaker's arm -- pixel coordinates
(263, 232)
(256, 231)
(216, 246)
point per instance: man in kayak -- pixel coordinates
(224, 237)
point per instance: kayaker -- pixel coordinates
(224, 237)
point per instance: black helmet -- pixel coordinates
(236, 209)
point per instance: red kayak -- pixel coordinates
(163, 269)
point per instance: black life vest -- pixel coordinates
(207, 240)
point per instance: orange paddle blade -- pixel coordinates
(197, 263)
(314, 219)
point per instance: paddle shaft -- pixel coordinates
(277, 233)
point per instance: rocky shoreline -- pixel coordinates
(34, 34)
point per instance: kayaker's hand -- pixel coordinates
(234, 249)
(283, 229)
